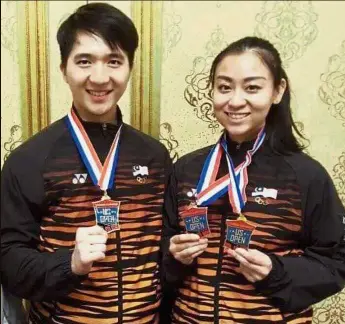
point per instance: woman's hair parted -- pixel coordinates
(280, 126)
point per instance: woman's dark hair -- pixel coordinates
(279, 121)
(103, 20)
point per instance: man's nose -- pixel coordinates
(99, 74)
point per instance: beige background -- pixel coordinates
(309, 35)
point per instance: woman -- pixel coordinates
(253, 228)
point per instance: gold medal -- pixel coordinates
(242, 217)
(105, 195)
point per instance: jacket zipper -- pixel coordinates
(219, 269)
(119, 276)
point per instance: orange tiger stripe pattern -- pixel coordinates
(216, 292)
(125, 286)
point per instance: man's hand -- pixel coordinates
(90, 246)
(254, 265)
(186, 247)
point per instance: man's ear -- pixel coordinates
(280, 91)
(63, 71)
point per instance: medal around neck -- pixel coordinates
(103, 176)
(195, 220)
(238, 233)
(210, 188)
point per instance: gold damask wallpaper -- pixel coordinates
(11, 132)
(182, 38)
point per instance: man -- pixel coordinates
(81, 208)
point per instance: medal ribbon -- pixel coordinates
(235, 182)
(101, 175)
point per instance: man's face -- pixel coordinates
(97, 76)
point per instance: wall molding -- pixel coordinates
(34, 66)
(146, 74)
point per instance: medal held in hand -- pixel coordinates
(107, 214)
(238, 233)
(195, 219)
(106, 210)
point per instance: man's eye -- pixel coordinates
(83, 62)
(114, 62)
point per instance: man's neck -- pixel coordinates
(108, 118)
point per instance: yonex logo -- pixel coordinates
(79, 178)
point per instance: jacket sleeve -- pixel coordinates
(12, 309)
(174, 271)
(25, 271)
(296, 282)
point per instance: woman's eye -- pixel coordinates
(223, 87)
(253, 88)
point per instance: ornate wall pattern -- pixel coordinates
(168, 139)
(289, 25)
(171, 31)
(14, 141)
(330, 311)
(339, 176)
(198, 93)
(10, 78)
(332, 89)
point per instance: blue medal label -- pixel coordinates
(238, 233)
(195, 220)
(238, 237)
(107, 214)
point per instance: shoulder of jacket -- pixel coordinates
(138, 138)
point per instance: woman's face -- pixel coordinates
(243, 93)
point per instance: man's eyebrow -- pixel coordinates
(89, 56)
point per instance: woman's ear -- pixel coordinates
(280, 92)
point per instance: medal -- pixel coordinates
(235, 182)
(195, 219)
(238, 233)
(106, 210)
(107, 214)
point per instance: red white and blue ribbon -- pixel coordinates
(101, 175)
(235, 182)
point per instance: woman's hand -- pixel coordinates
(254, 265)
(186, 247)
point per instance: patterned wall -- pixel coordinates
(310, 37)
(10, 106)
